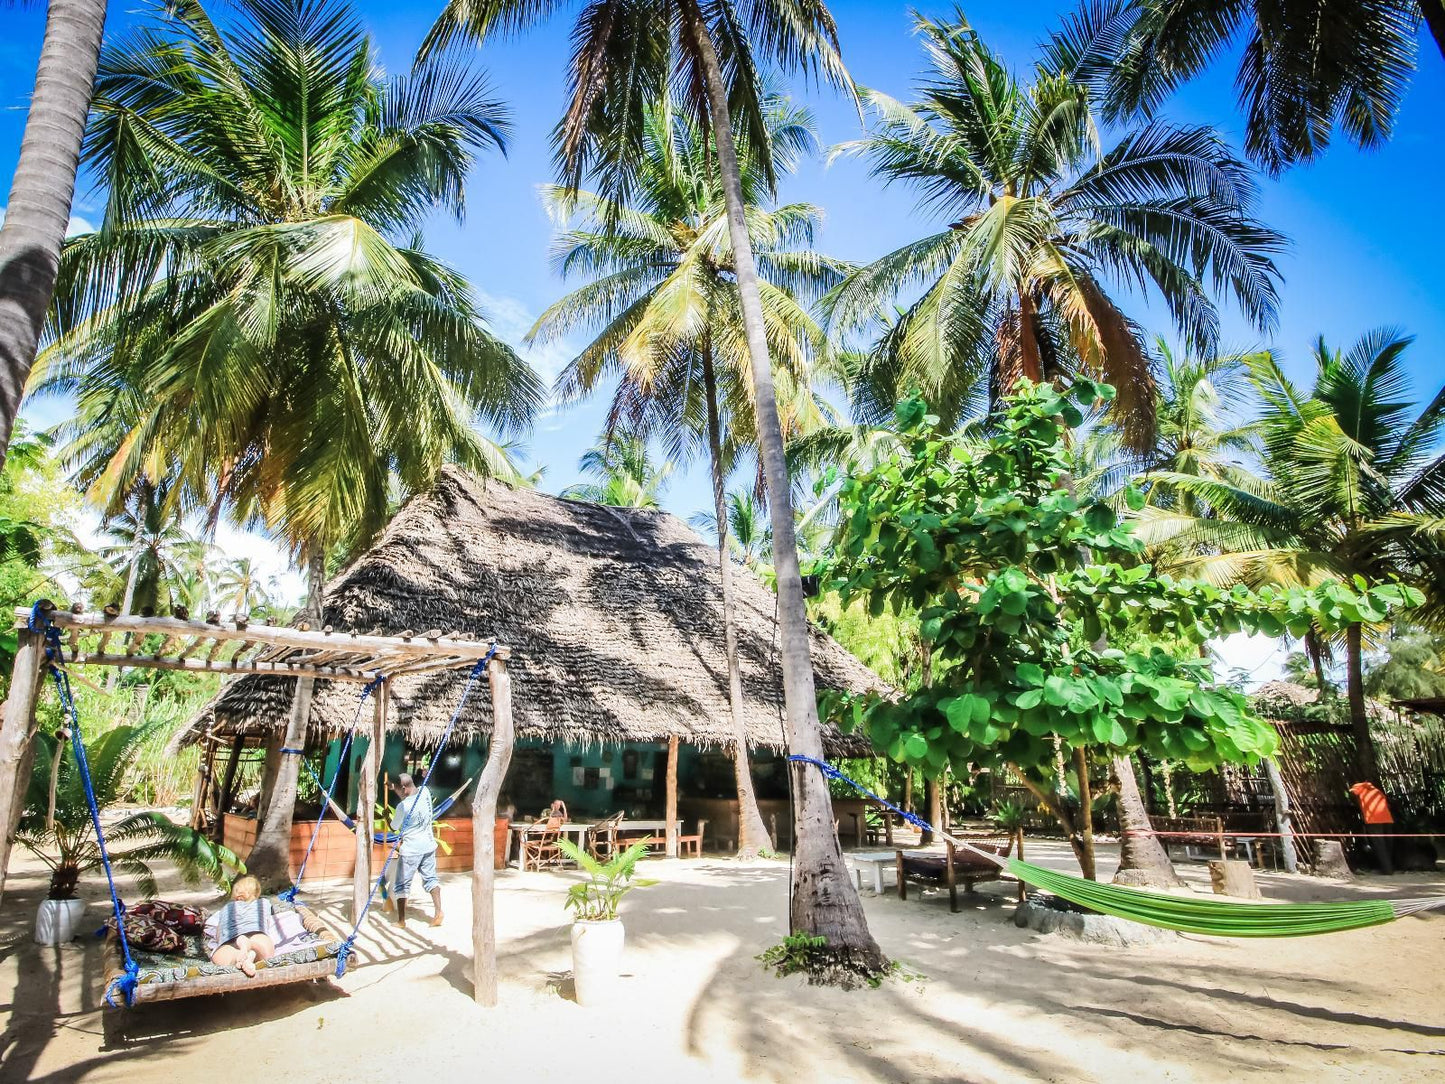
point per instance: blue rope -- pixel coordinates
(55, 655)
(291, 893)
(287, 751)
(833, 773)
(349, 945)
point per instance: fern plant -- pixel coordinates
(67, 843)
(597, 898)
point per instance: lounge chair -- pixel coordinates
(955, 867)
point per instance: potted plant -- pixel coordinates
(597, 932)
(61, 834)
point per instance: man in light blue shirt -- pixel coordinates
(418, 850)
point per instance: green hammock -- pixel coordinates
(1220, 918)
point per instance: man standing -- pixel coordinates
(418, 850)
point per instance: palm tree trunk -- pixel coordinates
(752, 832)
(1142, 857)
(39, 207)
(1365, 766)
(825, 902)
(270, 858)
(1434, 12)
(1030, 363)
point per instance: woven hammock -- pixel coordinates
(1218, 918)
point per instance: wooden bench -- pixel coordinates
(1191, 833)
(952, 868)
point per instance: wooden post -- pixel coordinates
(1282, 817)
(362, 877)
(484, 816)
(669, 836)
(17, 749)
(228, 789)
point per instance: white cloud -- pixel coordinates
(509, 319)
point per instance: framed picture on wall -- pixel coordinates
(629, 764)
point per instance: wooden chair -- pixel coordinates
(602, 840)
(947, 870)
(690, 846)
(1191, 833)
(539, 844)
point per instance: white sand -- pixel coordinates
(993, 1002)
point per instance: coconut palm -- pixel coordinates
(257, 319)
(745, 528)
(239, 587)
(625, 57)
(151, 550)
(1305, 67)
(38, 210)
(626, 476)
(1353, 485)
(664, 298)
(1042, 222)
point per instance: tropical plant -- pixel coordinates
(1042, 221)
(1412, 665)
(151, 551)
(1021, 587)
(1353, 486)
(38, 211)
(626, 476)
(239, 587)
(745, 533)
(626, 58)
(65, 840)
(597, 898)
(245, 323)
(1305, 67)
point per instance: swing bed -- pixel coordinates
(134, 975)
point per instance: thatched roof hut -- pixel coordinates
(613, 616)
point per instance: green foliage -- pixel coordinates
(68, 845)
(1413, 665)
(793, 954)
(1020, 585)
(1010, 816)
(596, 899)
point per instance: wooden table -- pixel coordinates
(569, 829)
(655, 832)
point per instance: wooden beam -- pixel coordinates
(365, 802)
(670, 832)
(228, 787)
(226, 666)
(17, 748)
(484, 817)
(274, 634)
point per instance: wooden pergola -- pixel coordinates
(239, 647)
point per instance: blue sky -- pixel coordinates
(1365, 227)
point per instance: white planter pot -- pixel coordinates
(596, 959)
(56, 921)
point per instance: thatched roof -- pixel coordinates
(613, 617)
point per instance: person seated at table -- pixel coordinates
(558, 809)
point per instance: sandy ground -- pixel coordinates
(990, 1002)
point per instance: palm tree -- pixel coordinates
(257, 318)
(1305, 66)
(239, 587)
(1041, 220)
(625, 56)
(664, 292)
(38, 210)
(745, 530)
(626, 476)
(151, 551)
(1352, 486)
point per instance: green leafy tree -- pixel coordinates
(1304, 69)
(257, 320)
(1044, 222)
(1022, 587)
(625, 58)
(1412, 665)
(1353, 485)
(239, 586)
